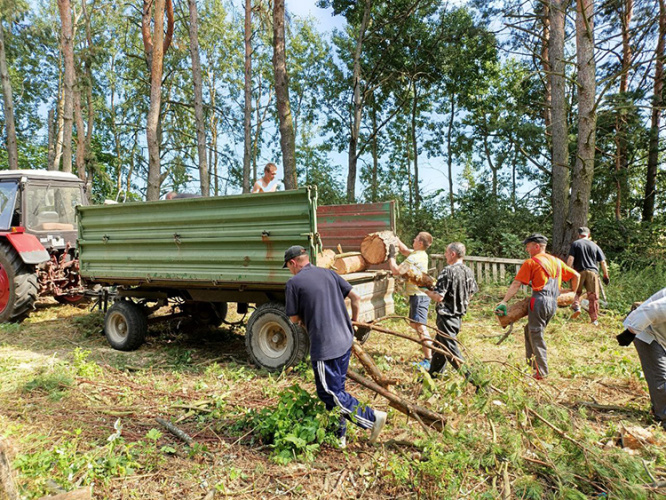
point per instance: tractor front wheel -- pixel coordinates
(18, 286)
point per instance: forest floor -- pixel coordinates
(75, 412)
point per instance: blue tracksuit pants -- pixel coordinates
(330, 378)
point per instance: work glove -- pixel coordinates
(606, 280)
(391, 253)
(625, 338)
(501, 309)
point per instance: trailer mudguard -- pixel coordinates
(28, 247)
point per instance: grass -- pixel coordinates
(75, 412)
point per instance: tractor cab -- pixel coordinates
(43, 203)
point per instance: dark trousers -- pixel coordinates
(450, 325)
(330, 378)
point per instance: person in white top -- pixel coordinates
(418, 301)
(266, 184)
(646, 328)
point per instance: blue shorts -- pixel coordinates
(418, 308)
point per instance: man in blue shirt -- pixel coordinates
(315, 298)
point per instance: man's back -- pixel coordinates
(317, 296)
(457, 285)
(586, 255)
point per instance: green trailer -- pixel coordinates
(199, 254)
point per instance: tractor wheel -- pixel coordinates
(69, 300)
(125, 326)
(18, 286)
(272, 340)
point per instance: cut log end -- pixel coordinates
(375, 246)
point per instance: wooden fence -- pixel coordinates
(486, 269)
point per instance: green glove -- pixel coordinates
(501, 310)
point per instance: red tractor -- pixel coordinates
(38, 239)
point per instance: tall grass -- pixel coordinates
(631, 283)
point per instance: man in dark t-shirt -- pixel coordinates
(315, 297)
(453, 291)
(584, 255)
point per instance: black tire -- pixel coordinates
(273, 342)
(207, 313)
(125, 326)
(18, 286)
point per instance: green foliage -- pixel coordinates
(295, 428)
(55, 382)
(83, 367)
(90, 324)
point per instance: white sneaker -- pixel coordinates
(380, 420)
(342, 443)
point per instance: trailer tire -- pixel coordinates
(207, 313)
(273, 342)
(18, 286)
(125, 326)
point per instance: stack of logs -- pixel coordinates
(374, 250)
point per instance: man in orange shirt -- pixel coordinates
(544, 273)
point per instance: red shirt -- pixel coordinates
(531, 272)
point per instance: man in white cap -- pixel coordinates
(315, 298)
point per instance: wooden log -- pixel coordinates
(370, 366)
(375, 246)
(326, 258)
(428, 417)
(349, 264)
(413, 275)
(519, 309)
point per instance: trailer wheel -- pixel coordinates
(272, 340)
(18, 286)
(207, 313)
(125, 326)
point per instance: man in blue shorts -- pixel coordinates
(315, 298)
(418, 300)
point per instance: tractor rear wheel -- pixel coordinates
(18, 285)
(272, 340)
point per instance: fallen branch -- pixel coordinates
(442, 349)
(371, 367)
(506, 335)
(428, 417)
(80, 494)
(175, 431)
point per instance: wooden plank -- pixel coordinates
(494, 259)
(479, 272)
(502, 272)
(495, 272)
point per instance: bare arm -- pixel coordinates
(404, 249)
(513, 289)
(393, 265)
(355, 300)
(434, 296)
(570, 261)
(255, 188)
(575, 281)
(604, 268)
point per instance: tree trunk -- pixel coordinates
(287, 138)
(375, 154)
(155, 47)
(626, 10)
(583, 172)
(213, 137)
(10, 124)
(59, 126)
(415, 149)
(545, 66)
(80, 136)
(67, 44)
(50, 123)
(559, 132)
(247, 111)
(357, 110)
(449, 156)
(88, 86)
(198, 99)
(657, 105)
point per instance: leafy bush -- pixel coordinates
(295, 428)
